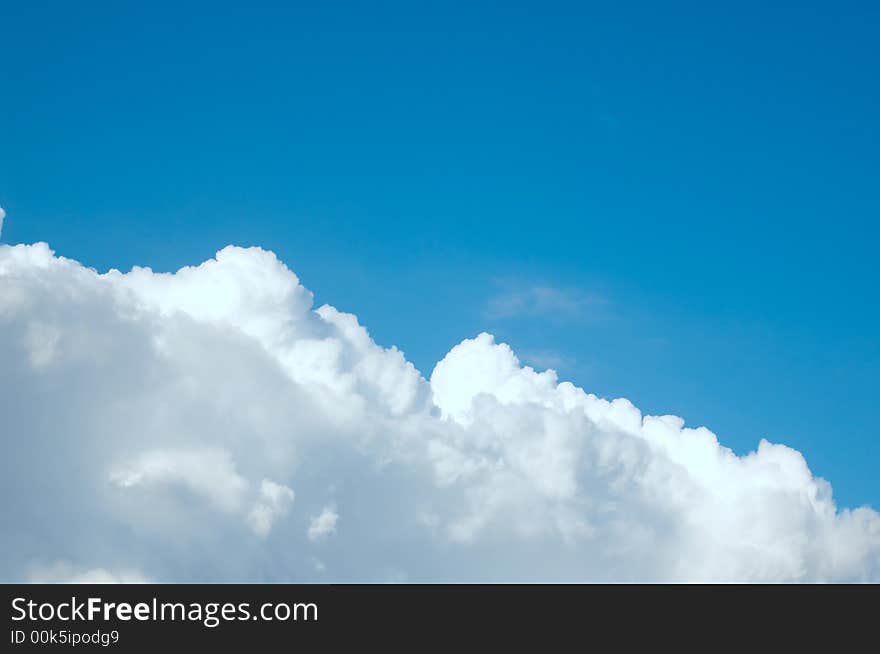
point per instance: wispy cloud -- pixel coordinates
(549, 301)
(545, 359)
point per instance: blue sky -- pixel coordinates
(673, 204)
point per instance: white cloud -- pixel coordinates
(323, 525)
(545, 301)
(211, 475)
(160, 422)
(275, 500)
(206, 472)
(2, 217)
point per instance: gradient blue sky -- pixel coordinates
(677, 204)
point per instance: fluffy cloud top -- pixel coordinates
(208, 425)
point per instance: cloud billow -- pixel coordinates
(211, 425)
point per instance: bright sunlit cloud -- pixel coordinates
(212, 425)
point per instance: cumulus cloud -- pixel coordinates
(191, 426)
(205, 472)
(323, 525)
(2, 216)
(274, 501)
